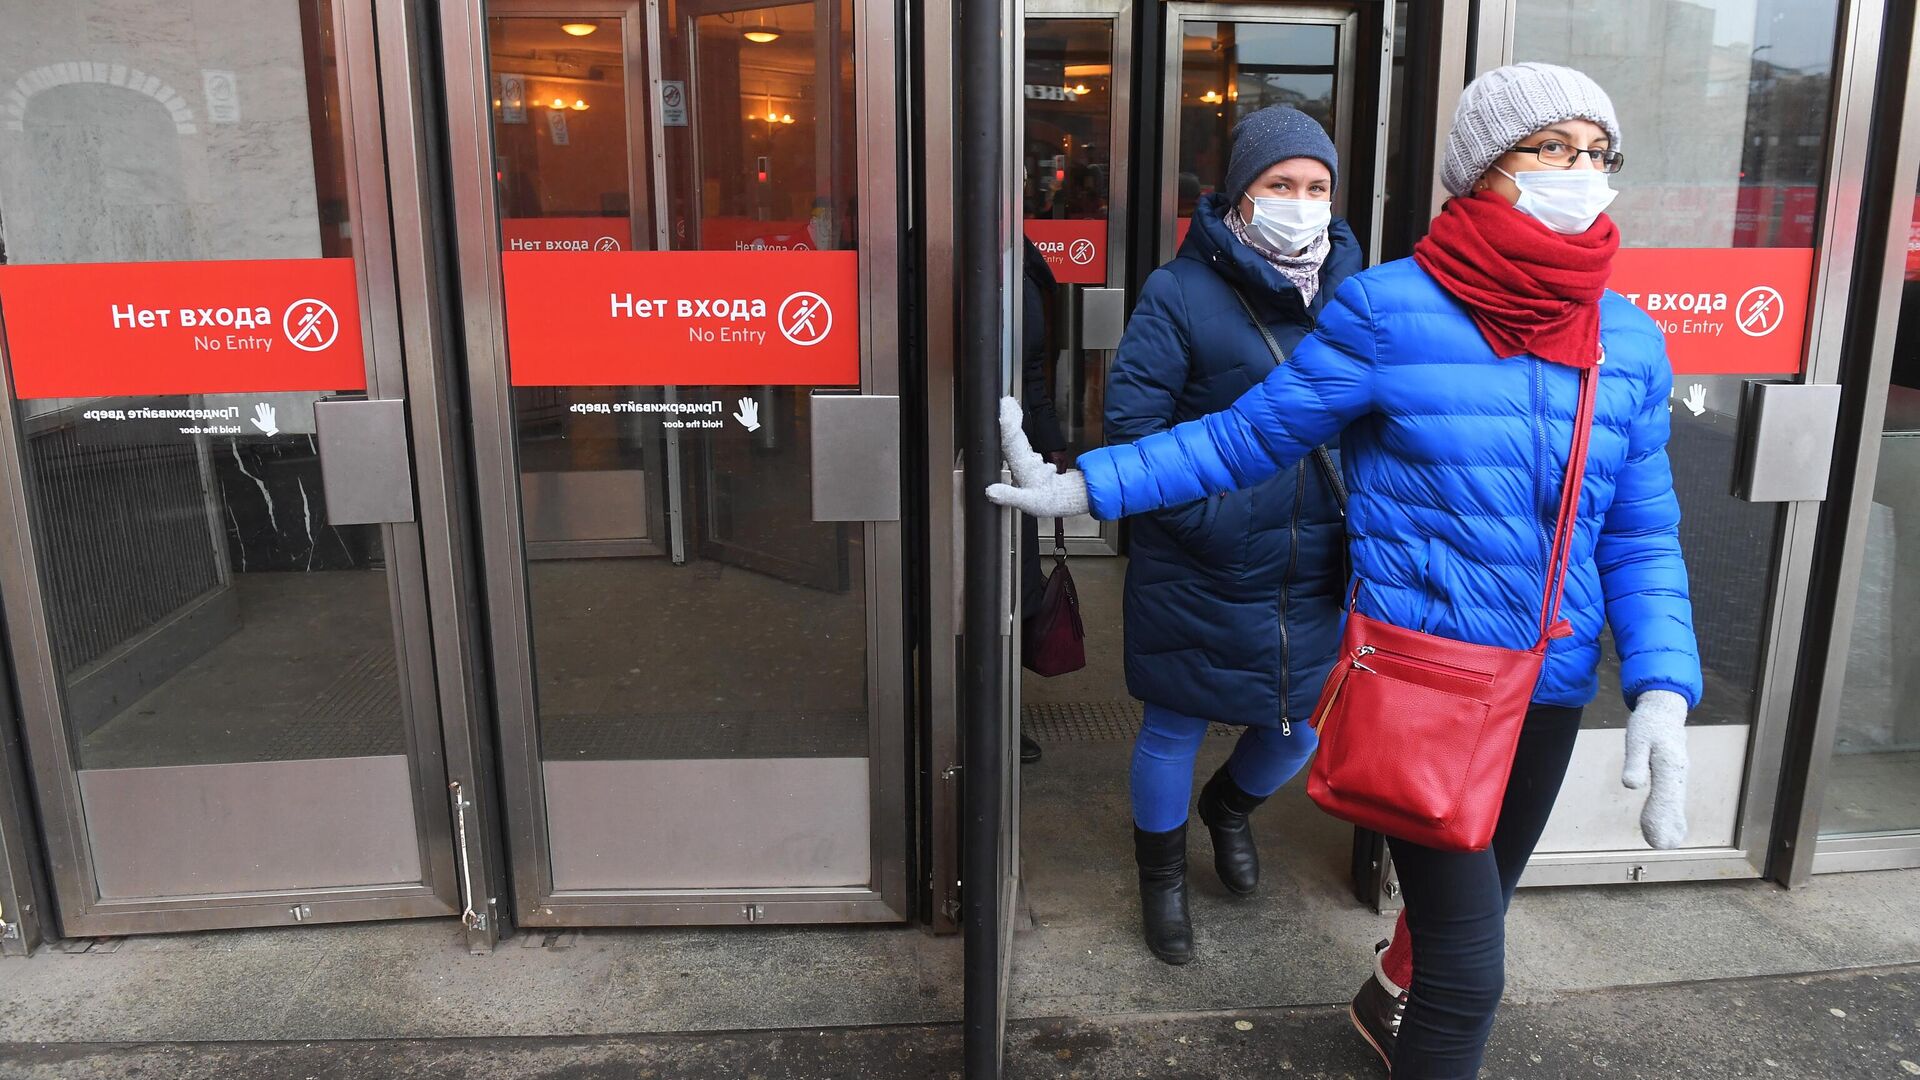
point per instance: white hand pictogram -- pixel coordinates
(1696, 400)
(263, 419)
(749, 414)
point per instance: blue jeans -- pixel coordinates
(1163, 756)
(1457, 909)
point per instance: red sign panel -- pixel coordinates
(683, 318)
(1075, 248)
(124, 329)
(1726, 311)
(565, 234)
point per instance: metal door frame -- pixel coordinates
(1343, 18)
(82, 912)
(536, 903)
(23, 923)
(1856, 71)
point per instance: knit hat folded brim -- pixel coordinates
(1507, 104)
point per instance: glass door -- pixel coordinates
(1723, 201)
(1076, 93)
(217, 615)
(709, 729)
(1869, 816)
(1224, 61)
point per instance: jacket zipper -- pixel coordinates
(1293, 560)
(1540, 457)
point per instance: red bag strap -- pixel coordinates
(1563, 528)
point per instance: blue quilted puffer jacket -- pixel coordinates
(1232, 602)
(1455, 458)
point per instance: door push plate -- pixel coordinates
(1103, 317)
(366, 469)
(856, 456)
(1785, 453)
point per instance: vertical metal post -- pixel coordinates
(981, 74)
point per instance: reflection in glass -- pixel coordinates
(201, 607)
(1068, 169)
(1873, 783)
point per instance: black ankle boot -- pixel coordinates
(1163, 892)
(1224, 807)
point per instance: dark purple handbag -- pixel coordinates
(1053, 641)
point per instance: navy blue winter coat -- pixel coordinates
(1232, 601)
(1455, 460)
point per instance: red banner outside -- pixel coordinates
(126, 329)
(683, 318)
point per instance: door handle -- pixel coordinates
(1785, 449)
(366, 466)
(856, 456)
(1103, 317)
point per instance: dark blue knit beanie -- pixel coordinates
(1274, 134)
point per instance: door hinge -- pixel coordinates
(753, 912)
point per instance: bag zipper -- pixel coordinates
(1433, 665)
(1353, 664)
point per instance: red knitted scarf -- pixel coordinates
(1528, 288)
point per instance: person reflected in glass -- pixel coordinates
(1232, 603)
(1453, 379)
(1042, 425)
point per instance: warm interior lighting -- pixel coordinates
(496, 103)
(1212, 97)
(579, 105)
(558, 104)
(760, 33)
(1082, 90)
(579, 29)
(786, 118)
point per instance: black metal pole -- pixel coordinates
(980, 142)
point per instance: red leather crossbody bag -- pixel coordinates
(1417, 731)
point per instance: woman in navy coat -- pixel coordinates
(1232, 601)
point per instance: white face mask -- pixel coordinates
(1564, 200)
(1290, 224)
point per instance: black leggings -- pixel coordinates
(1457, 907)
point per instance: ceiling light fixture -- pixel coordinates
(761, 33)
(579, 29)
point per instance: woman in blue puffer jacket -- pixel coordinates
(1232, 601)
(1455, 376)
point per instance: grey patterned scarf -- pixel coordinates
(1302, 270)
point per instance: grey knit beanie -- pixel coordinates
(1507, 104)
(1272, 134)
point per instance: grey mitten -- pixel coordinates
(1657, 751)
(1038, 488)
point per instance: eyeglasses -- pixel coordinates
(1559, 155)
